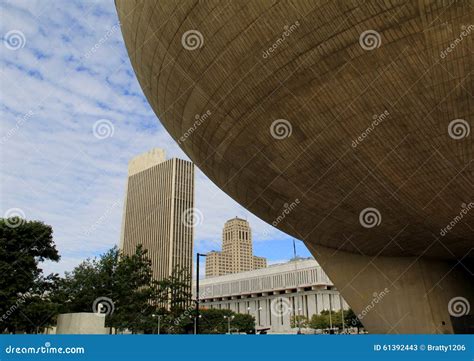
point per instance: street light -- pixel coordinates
(159, 322)
(259, 309)
(229, 318)
(196, 327)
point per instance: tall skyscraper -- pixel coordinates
(158, 205)
(237, 254)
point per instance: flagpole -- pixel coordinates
(297, 286)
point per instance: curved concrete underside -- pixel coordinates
(220, 96)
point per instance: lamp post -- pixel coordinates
(256, 310)
(297, 285)
(195, 318)
(229, 318)
(196, 327)
(159, 323)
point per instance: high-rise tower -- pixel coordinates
(237, 254)
(158, 203)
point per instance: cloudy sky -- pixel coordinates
(64, 68)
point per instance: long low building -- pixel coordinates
(273, 295)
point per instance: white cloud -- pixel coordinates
(52, 166)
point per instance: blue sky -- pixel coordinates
(64, 68)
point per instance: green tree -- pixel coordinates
(319, 322)
(25, 303)
(243, 323)
(127, 280)
(352, 320)
(124, 279)
(215, 321)
(299, 321)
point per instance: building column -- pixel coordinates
(399, 294)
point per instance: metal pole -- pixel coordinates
(197, 295)
(159, 326)
(197, 291)
(342, 314)
(255, 318)
(297, 284)
(330, 315)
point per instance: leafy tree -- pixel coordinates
(319, 322)
(299, 321)
(124, 279)
(352, 320)
(128, 281)
(215, 321)
(243, 323)
(25, 303)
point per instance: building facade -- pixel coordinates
(237, 251)
(158, 205)
(273, 295)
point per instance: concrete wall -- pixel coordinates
(398, 294)
(81, 323)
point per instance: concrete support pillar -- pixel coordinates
(399, 294)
